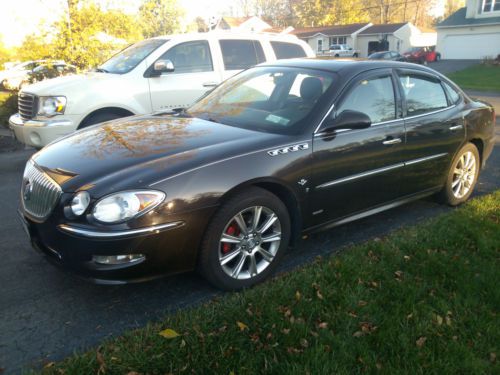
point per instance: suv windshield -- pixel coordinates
(130, 57)
(269, 99)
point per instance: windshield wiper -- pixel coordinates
(101, 70)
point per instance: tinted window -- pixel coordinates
(422, 94)
(374, 97)
(272, 99)
(190, 57)
(452, 93)
(287, 50)
(241, 54)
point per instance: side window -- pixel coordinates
(241, 54)
(374, 97)
(190, 57)
(284, 50)
(422, 94)
(452, 93)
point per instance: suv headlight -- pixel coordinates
(51, 105)
(126, 205)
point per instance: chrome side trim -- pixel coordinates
(380, 170)
(118, 234)
(223, 160)
(360, 175)
(420, 160)
(430, 113)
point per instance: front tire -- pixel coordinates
(98, 118)
(245, 240)
(462, 176)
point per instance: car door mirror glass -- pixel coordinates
(347, 120)
(163, 66)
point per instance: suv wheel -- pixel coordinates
(98, 118)
(245, 240)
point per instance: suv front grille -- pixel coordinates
(39, 193)
(27, 104)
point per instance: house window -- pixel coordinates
(491, 6)
(337, 40)
(320, 45)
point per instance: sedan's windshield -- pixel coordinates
(130, 57)
(271, 99)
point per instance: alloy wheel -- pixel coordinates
(249, 242)
(464, 174)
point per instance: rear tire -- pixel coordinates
(355, 55)
(245, 240)
(462, 176)
(98, 118)
(438, 57)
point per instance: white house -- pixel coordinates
(472, 32)
(367, 37)
(321, 38)
(252, 23)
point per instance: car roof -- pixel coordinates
(348, 66)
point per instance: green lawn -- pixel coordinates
(425, 300)
(478, 77)
(8, 106)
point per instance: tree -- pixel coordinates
(451, 6)
(5, 54)
(160, 17)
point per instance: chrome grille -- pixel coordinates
(39, 193)
(27, 105)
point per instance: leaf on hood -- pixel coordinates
(169, 333)
(421, 341)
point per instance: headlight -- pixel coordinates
(80, 203)
(51, 105)
(126, 205)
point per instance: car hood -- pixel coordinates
(136, 151)
(65, 84)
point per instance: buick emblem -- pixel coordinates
(28, 190)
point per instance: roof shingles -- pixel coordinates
(458, 19)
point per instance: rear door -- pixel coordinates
(434, 129)
(355, 170)
(194, 74)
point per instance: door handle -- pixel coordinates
(393, 141)
(456, 127)
(209, 84)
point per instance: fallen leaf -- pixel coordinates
(406, 257)
(421, 341)
(297, 295)
(439, 320)
(357, 334)
(398, 274)
(183, 343)
(133, 373)
(379, 366)
(286, 331)
(362, 303)
(231, 373)
(323, 325)
(48, 365)
(319, 295)
(169, 333)
(448, 321)
(242, 326)
(493, 357)
(304, 343)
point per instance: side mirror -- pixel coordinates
(163, 66)
(348, 120)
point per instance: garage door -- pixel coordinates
(475, 46)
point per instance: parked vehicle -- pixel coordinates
(282, 149)
(342, 50)
(18, 70)
(152, 75)
(41, 72)
(387, 55)
(422, 55)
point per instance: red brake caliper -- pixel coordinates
(232, 230)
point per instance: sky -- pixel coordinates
(19, 18)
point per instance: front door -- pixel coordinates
(355, 170)
(435, 130)
(194, 75)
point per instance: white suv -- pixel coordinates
(153, 75)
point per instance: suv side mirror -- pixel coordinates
(163, 66)
(348, 120)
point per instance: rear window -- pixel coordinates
(452, 93)
(241, 54)
(284, 50)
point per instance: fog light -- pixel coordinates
(118, 259)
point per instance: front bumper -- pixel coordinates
(72, 248)
(39, 133)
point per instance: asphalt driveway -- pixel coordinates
(450, 66)
(47, 314)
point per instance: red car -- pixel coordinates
(422, 55)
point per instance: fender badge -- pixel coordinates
(302, 182)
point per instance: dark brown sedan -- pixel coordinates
(226, 185)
